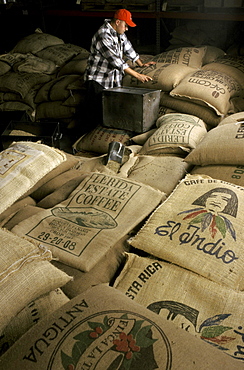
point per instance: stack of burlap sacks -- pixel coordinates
(201, 81)
(69, 217)
(164, 231)
(43, 76)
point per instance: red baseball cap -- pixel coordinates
(124, 15)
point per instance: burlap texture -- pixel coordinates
(16, 206)
(22, 165)
(31, 315)
(36, 42)
(54, 110)
(25, 274)
(140, 139)
(70, 162)
(232, 66)
(210, 88)
(20, 215)
(233, 118)
(56, 182)
(222, 145)
(165, 76)
(98, 139)
(22, 82)
(208, 115)
(33, 64)
(232, 174)
(59, 54)
(61, 193)
(185, 56)
(160, 172)
(103, 329)
(199, 227)
(176, 134)
(80, 230)
(103, 272)
(76, 65)
(205, 309)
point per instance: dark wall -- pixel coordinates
(16, 22)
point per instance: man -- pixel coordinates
(106, 66)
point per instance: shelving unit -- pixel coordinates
(157, 15)
(234, 17)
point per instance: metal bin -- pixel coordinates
(130, 108)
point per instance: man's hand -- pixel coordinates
(148, 64)
(143, 78)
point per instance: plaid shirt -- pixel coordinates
(105, 64)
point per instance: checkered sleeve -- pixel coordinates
(129, 51)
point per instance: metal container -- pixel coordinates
(46, 132)
(130, 108)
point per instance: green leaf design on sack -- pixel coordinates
(214, 331)
(221, 225)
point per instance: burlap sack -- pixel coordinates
(142, 138)
(33, 64)
(36, 42)
(59, 54)
(164, 110)
(25, 274)
(31, 315)
(61, 193)
(54, 110)
(232, 66)
(16, 206)
(193, 303)
(102, 329)
(80, 230)
(4, 67)
(185, 56)
(70, 162)
(233, 118)
(98, 139)
(222, 145)
(22, 82)
(165, 76)
(210, 88)
(199, 227)
(232, 174)
(96, 164)
(20, 215)
(212, 53)
(22, 165)
(77, 65)
(208, 115)
(8, 60)
(237, 104)
(104, 272)
(59, 89)
(160, 172)
(28, 99)
(42, 94)
(55, 183)
(176, 134)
